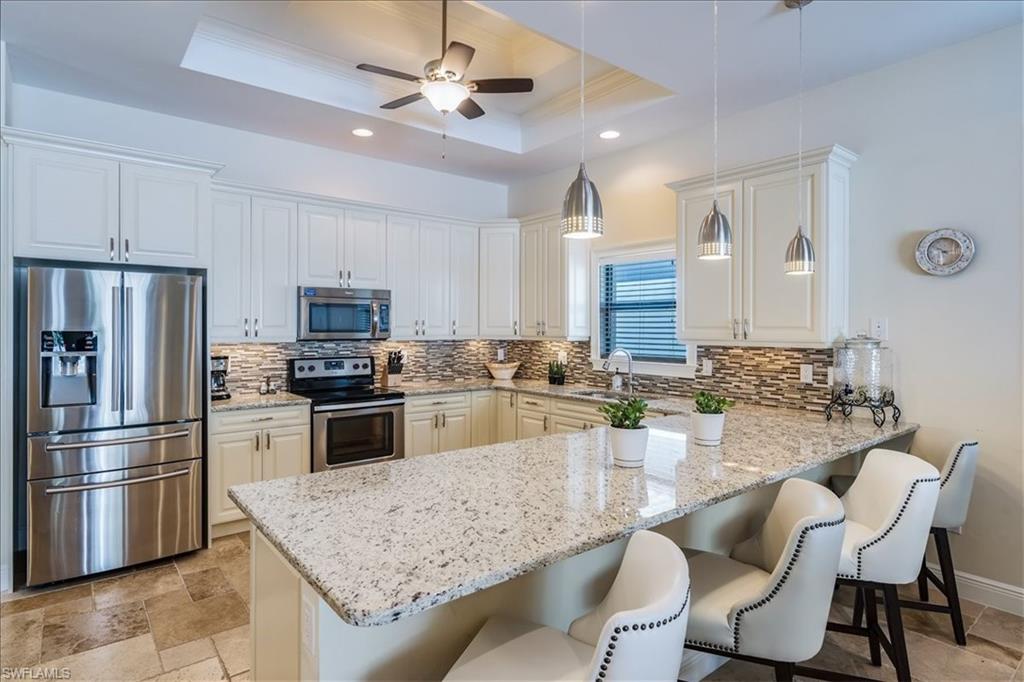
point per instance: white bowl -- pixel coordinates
(502, 370)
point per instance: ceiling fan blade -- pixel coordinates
(502, 85)
(470, 109)
(402, 101)
(388, 72)
(456, 58)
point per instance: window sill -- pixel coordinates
(662, 369)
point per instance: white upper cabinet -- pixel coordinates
(435, 275)
(749, 300)
(554, 286)
(365, 250)
(341, 247)
(499, 281)
(84, 202)
(165, 216)
(403, 268)
(275, 282)
(64, 205)
(230, 284)
(465, 281)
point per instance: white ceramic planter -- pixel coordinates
(707, 428)
(629, 446)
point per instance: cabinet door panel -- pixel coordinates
(710, 289)
(421, 434)
(435, 266)
(506, 408)
(321, 246)
(64, 205)
(286, 452)
(484, 418)
(233, 461)
(553, 296)
(403, 270)
(366, 249)
(274, 269)
(499, 281)
(531, 280)
(465, 282)
(230, 288)
(567, 425)
(165, 214)
(531, 424)
(456, 430)
(777, 306)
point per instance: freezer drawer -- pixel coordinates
(77, 454)
(79, 525)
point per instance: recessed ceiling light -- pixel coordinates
(362, 132)
(609, 134)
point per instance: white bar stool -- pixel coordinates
(768, 601)
(636, 633)
(889, 510)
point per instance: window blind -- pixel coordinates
(638, 310)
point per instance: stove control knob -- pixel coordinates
(300, 368)
(310, 368)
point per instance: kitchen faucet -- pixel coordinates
(629, 366)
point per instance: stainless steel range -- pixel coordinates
(110, 419)
(354, 422)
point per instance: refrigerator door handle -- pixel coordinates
(129, 359)
(87, 444)
(115, 384)
(115, 484)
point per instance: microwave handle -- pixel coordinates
(374, 318)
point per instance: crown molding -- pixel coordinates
(428, 15)
(835, 153)
(596, 89)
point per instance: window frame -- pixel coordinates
(631, 254)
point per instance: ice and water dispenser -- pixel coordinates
(68, 368)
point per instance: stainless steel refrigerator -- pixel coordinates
(110, 409)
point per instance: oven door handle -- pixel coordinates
(357, 406)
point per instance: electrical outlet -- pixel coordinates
(807, 374)
(563, 356)
(502, 354)
(879, 327)
(831, 375)
(706, 367)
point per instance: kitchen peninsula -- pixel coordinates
(387, 571)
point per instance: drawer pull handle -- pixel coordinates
(261, 419)
(84, 445)
(115, 484)
(438, 402)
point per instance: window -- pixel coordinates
(634, 305)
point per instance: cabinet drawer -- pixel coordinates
(534, 403)
(260, 418)
(576, 409)
(437, 401)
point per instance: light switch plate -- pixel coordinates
(563, 356)
(706, 367)
(879, 328)
(807, 374)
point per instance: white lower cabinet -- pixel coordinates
(506, 416)
(485, 423)
(253, 445)
(456, 430)
(438, 423)
(420, 434)
(530, 424)
(567, 425)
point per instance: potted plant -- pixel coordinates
(709, 419)
(556, 372)
(628, 436)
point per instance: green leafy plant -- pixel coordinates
(626, 413)
(709, 403)
(556, 369)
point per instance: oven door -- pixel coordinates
(342, 314)
(358, 433)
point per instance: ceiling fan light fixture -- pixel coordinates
(445, 96)
(582, 215)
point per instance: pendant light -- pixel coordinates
(714, 240)
(800, 252)
(582, 216)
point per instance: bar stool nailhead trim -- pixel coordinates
(610, 651)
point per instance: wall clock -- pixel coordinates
(944, 252)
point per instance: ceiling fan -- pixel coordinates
(443, 83)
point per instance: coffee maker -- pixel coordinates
(219, 378)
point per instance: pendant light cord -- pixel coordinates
(715, 97)
(800, 126)
(583, 45)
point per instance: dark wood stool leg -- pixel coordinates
(871, 609)
(858, 606)
(784, 672)
(922, 579)
(949, 582)
(896, 637)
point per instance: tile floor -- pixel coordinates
(188, 620)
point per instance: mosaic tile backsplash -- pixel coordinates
(762, 376)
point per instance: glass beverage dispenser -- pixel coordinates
(862, 377)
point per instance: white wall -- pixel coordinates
(940, 144)
(259, 159)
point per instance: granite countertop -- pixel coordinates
(255, 401)
(385, 541)
(542, 388)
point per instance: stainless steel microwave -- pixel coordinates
(332, 313)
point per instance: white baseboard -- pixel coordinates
(699, 664)
(1002, 596)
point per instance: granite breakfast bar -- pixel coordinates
(386, 571)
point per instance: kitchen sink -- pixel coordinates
(604, 395)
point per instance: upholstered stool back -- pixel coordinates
(955, 485)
